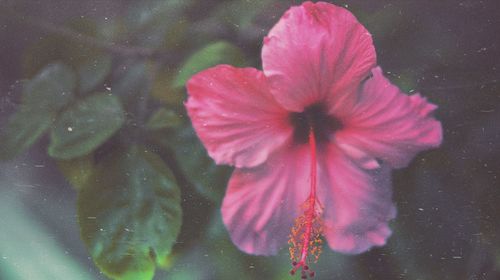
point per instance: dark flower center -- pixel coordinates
(316, 117)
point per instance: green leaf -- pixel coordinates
(78, 170)
(130, 214)
(93, 72)
(162, 90)
(215, 53)
(209, 179)
(22, 130)
(163, 118)
(133, 81)
(85, 126)
(51, 89)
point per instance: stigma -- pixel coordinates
(305, 237)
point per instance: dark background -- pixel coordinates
(448, 199)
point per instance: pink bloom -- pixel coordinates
(313, 137)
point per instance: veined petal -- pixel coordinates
(317, 52)
(261, 203)
(235, 116)
(357, 202)
(390, 125)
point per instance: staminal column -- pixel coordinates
(306, 233)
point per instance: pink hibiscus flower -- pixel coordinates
(313, 137)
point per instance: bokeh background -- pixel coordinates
(91, 93)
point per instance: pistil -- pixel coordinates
(305, 238)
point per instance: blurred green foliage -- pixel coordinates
(129, 213)
(149, 22)
(22, 131)
(107, 96)
(164, 118)
(83, 127)
(210, 55)
(93, 72)
(191, 156)
(51, 89)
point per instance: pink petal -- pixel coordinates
(357, 203)
(388, 124)
(316, 52)
(235, 116)
(261, 203)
